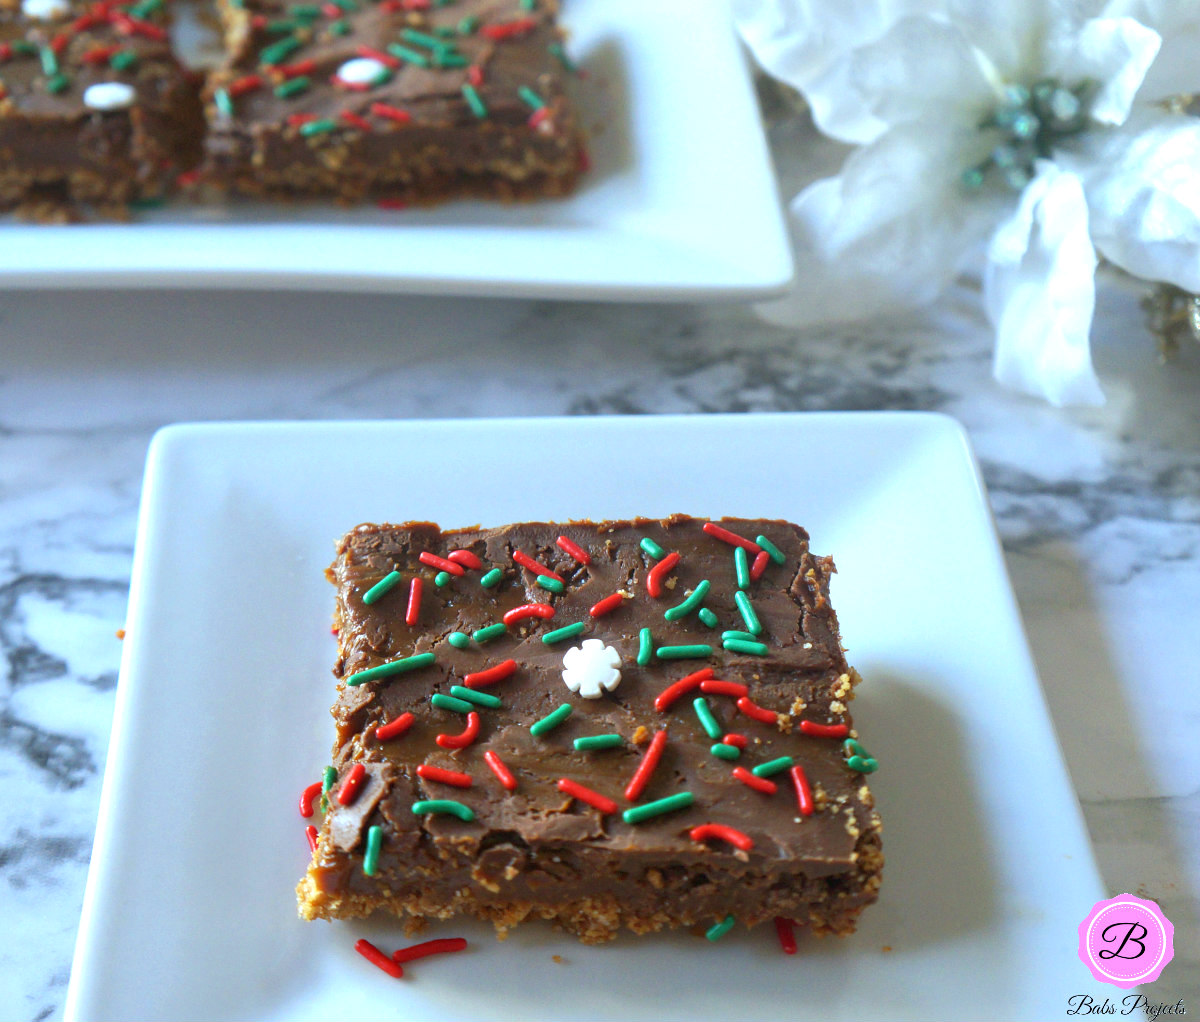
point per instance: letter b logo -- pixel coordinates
(1126, 941)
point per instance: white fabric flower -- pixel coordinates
(591, 668)
(1103, 169)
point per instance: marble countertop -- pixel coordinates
(1098, 510)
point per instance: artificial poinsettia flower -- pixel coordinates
(1036, 132)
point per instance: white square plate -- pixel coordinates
(681, 201)
(222, 719)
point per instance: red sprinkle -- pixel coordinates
(475, 75)
(392, 113)
(341, 83)
(295, 120)
(787, 935)
(350, 786)
(763, 784)
(392, 204)
(824, 730)
(503, 774)
(542, 610)
(804, 797)
(465, 558)
(468, 735)
(761, 560)
(131, 26)
(480, 679)
(525, 561)
(684, 685)
(713, 687)
(417, 585)
(395, 728)
(734, 739)
(384, 58)
(755, 712)
(723, 833)
(442, 946)
(99, 55)
(442, 776)
(641, 776)
(592, 798)
(350, 117)
(657, 575)
(539, 115)
(310, 832)
(301, 67)
(508, 29)
(306, 798)
(247, 83)
(607, 605)
(331, 10)
(573, 549)
(371, 953)
(725, 536)
(441, 563)
(186, 180)
(59, 42)
(6, 50)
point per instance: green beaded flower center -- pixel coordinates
(1029, 123)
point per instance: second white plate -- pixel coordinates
(223, 718)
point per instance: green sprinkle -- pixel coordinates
(371, 855)
(491, 578)
(441, 578)
(327, 782)
(566, 632)
(405, 53)
(276, 52)
(474, 102)
(490, 632)
(422, 39)
(718, 930)
(528, 5)
(339, 28)
(281, 26)
(664, 805)
(148, 202)
(743, 636)
(444, 805)
(692, 602)
(708, 618)
(592, 742)
(49, 61)
(726, 752)
(551, 721)
(56, 84)
(652, 549)
(123, 60)
(553, 584)
(445, 702)
(530, 97)
(145, 8)
(346, 5)
(860, 759)
(307, 12)
(744, 646)
(645, 647)
(741, 565)
(707, 720)
(444, 31)
(443, 58)
(459, 640)
(401, 666)
(773, 766)
(753, 625)
(561, 55)
(775, 553)
(478, 698)
(693, 652)
(223, 103)
(468, 25)
(293, 87)
(382, 587)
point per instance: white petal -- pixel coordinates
(1039, 290)
(1143, 188)
(1008, 32)
(807, 43)
(1114, 52)
(1176, 70)
(889, 232)
(921, 69)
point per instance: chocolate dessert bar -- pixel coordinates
(94, 108)
(406, 100)
(613, 725)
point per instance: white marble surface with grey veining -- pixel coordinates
(1098, 510)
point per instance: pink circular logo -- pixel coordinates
(1126, 941)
